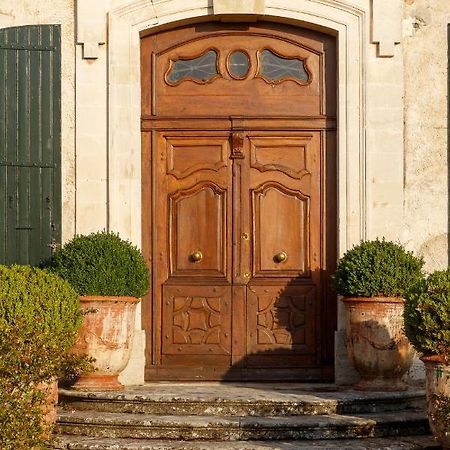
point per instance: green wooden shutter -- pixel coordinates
(30, 142)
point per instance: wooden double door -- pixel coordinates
(238, 210)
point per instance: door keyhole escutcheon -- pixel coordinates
(280, 257)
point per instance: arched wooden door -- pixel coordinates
(239, 202)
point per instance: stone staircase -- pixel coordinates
(244, 416)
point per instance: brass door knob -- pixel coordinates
(196, 256)
(280, 257)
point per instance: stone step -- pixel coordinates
(393, 443)
(334, 426)
(214, 399)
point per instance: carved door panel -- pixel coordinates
(284, 289)
(193, 207)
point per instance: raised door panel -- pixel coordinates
(187, 155)
(192, 211)
(288, 155)
(198, 222)
(285, 197)
(196, 320)
(281, 231)
(193, 206)
(281, 320)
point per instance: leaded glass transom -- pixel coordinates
(201, 69)
(238, 64)
(275, 69)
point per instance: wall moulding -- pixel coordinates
(91, 26)
(387, 27)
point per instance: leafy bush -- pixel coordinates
(102, 264)
(41, 299)
(26, 360)
(427, 314)
(40, 317)
(377, 269)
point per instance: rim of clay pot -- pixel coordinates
(373, 299)
(438, 359)
(109, 298)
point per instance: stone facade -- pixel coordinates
(426, 28)
(392, 118)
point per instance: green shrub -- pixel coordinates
(377, 269)
(26, 359)
(40, 316)
(427, 314)
(41, 299)
(102, 264)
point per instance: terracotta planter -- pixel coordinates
(438, 397)
(106, 335)
(376, 344)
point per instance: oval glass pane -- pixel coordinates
(238, 64)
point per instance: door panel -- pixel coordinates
(281, 231)
(284, 294)
(197, 246)
(285, 193)
(289, 155)
(194, 246)
(186, 156)
(279, 320)
(196, 320)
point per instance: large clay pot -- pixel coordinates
(376, 343)
(107, 336)
(438, 397)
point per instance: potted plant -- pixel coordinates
(40, 316)
(110, 275)
(373, 277)
(427, 325)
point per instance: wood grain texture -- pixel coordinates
(240, 192)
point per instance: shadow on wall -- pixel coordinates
(292, 337)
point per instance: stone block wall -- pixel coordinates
(426, 60)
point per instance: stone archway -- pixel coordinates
(349, 21)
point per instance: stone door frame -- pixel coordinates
(351, 22)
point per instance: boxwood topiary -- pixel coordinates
(102, 264)
(427, 314)
(377, 268)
